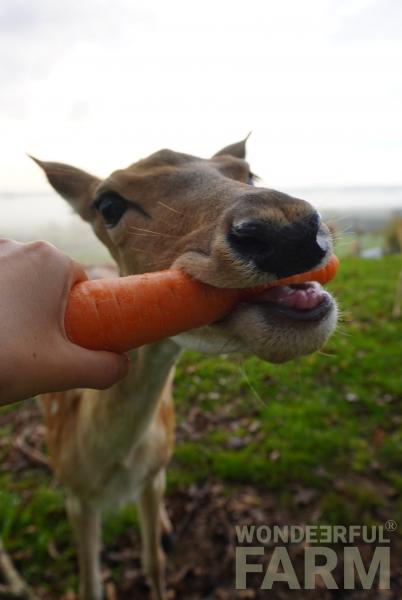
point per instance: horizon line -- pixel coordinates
(304, 186)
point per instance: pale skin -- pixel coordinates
(35, 353)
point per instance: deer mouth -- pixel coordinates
(276, 324)
(300, 302)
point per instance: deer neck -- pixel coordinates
(115, 420)
(150, 373)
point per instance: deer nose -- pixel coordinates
(283, 250)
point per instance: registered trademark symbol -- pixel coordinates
(391, 525)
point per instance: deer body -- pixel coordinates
(112, 446)
(173, 209)
(137, 414)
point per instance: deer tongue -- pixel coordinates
(305, 296)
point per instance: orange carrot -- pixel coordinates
(128, 312)
(322, 275)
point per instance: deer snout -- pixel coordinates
(280, 249)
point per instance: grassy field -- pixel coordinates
(322, 434)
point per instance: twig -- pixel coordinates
(15, 586)
(29, 452)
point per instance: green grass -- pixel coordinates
(339, 410)
(330, 421)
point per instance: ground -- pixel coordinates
(314, 441)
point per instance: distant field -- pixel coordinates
(320, 438)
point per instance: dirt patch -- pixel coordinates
(202, 563)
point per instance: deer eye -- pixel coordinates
(111, 207)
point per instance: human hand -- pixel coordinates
(35, 354)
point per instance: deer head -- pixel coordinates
(206, 217)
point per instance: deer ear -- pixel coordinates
(237, 150)
(74, 185)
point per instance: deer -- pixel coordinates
(209, 218)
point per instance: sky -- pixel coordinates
(101, 84)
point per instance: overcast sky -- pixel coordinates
(100, 84)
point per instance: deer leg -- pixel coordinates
(154, 521)
(167, 538)
(86, 524)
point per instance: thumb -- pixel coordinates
(96, 369)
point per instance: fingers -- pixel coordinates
(90, 369)
(71, 367)
(77, 273)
